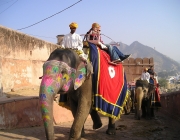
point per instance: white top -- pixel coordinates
(156, 77)
(145, 76)
(73, 41)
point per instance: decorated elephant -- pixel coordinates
(143, 99)
(65, 73)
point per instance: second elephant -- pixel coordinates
(143, 96)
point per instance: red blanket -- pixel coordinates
(109, 84)
(111, 79)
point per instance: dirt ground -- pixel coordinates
(30, 91)
(127, 128)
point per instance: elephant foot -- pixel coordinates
(111, 130)
(73, 138)
(75, 135)
(97, 126)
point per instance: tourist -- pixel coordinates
(94, 36)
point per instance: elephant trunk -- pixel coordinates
(46, 103)
(139, 97)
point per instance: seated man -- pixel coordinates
(94, 36)
(74, 41)
(145, 75)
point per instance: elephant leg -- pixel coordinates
(84, 101)
(111, 127)
(149, 109)
(79, 120)
(144, 114)
(73, 106)
(96, 119)
(152, 113)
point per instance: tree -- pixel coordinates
(163, 82)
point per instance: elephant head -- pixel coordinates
(144, 91)
(141, 92)
(151, 90)
(58, 77)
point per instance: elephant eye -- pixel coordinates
(64, 71)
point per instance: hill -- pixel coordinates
(162, 62)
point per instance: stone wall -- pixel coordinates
(21, 58)
(171, 104)
(134, 67)
(22, 112)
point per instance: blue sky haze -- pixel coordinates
(154, 23)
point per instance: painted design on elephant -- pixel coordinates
(47, 80)
(58, 80)
(48, 70)
(42, 97)
(45, 119)
(44, 110)
(43, 89)
(44, 103)
(57, 85)
(66, 86)
(79, 80)
(73, 75)
(66, 77)
(58, 77)
(83, 70)
(50, 89)
(51, 69)
(55, 69)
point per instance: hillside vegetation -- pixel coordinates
(162, 62)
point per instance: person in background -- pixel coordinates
(150, 70)
(145, 75)
(94, 36)
(156, 77)
(74, 41)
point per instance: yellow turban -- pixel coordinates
(95, 25)
(73, 25)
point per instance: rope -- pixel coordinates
(105, 36)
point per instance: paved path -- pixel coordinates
(161, 128)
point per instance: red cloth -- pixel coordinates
(157, 95)
(111, 79)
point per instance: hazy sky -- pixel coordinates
(154, 23)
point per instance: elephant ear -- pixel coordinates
(82, 73)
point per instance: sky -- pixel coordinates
(154, 23)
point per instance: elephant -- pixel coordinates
(143, 96)
(132, 98)
(65, 73)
